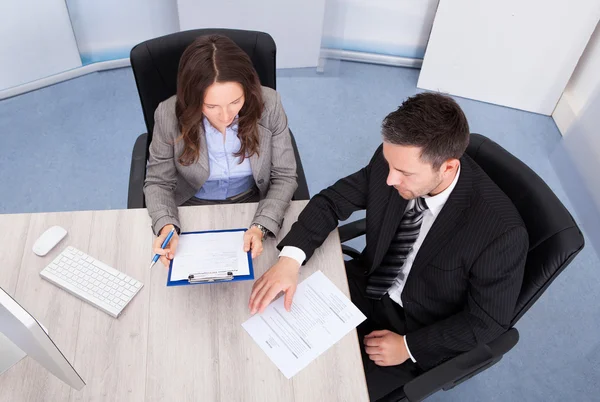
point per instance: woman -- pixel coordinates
(221, 139)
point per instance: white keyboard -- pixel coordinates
(91, 280)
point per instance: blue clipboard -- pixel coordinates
(184, 282)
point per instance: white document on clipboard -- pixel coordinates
(210, 253)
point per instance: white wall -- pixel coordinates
(37, 41)
(390, 27)
(108, 29)
(577, 116)
(582, 85)
(295, 25)
(581, 146)
(509, 52)
(105, 31)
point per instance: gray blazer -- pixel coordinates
(169, 183)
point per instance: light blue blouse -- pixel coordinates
(227, 176)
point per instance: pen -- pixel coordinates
(157, 256)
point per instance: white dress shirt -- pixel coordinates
(434, 206)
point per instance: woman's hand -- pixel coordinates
(167, 254)
(253, 241)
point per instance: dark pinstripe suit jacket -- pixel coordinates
(465, 280)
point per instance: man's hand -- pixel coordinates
(253, 238)
(168, 253)
(281, 277)
(386, 348)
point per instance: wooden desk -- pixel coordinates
(170, 344)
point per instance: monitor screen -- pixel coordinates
(25, 332)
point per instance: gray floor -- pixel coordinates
(67, 147)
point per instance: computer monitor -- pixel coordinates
(22, 331)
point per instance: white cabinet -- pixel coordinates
(513, 53)
(295, 25)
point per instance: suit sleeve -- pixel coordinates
(161, 174)
(495, 282)
(283, 183)
(324, 211)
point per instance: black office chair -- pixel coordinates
(554, 240)
(155, 63)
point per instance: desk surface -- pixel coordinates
(169, 344)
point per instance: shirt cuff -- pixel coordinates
(293, 252)
(408, 350)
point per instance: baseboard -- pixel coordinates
(564, 114)
(65, 75)
(371, 58)
(337, 54)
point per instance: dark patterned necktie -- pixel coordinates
(392, 264)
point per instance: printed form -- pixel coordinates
(321, 315)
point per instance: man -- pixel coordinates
(445, 248)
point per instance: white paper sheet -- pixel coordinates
(209, 253)
(321, 315)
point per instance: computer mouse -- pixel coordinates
(48, 240)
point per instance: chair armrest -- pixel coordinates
(352, 230)
(302, 190)
(350, 252)
(460, 368)
(137, 173)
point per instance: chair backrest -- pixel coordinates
(155, 63)
(554, 237)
